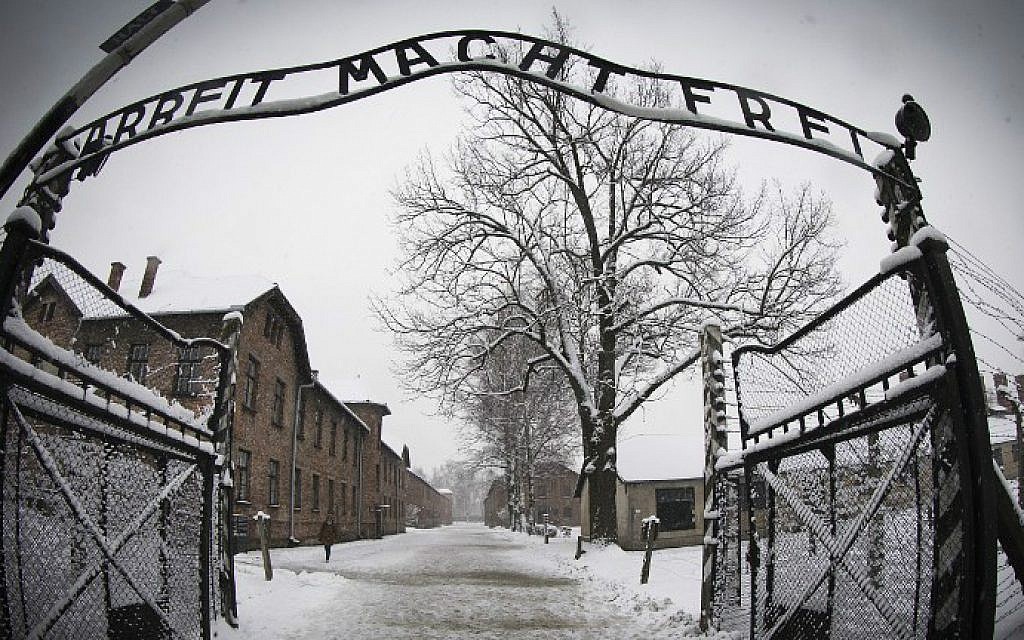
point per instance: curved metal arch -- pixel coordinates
(368, 69)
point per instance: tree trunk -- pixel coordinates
(602, 483)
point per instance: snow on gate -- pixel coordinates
(846, 512)
(108, 525)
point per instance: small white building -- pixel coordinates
(662, 475)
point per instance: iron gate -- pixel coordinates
(856, 503)
(110, 493)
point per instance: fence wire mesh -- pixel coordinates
(1009, 601)
(108, 527)
(881, 584)
(62, 304)
(869, 329)
(845, 506)
(68, 477)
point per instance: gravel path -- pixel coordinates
(461, 581)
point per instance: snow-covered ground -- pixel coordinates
(467, 581)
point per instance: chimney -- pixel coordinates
(149, 278)
(116, 271)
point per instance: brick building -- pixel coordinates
(554, 486)
(445, 505)
(496, 504)
(300, 452)
(1002, 423)
(425, 506)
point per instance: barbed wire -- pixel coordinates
(987, 293)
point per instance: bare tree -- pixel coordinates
(602, 240)
(514, 429)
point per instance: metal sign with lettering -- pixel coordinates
(295, 90)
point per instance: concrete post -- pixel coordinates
(263, 523)
(715, 442)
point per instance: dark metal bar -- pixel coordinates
(6, 622)
(753, 552)
(163, 598)
(104, 474)
(971, 428)
(769, 562)
(18, 542)
(829, 451)
(917, 551)
(109, 391)
(82, 90)
(161, 444)
(205, 542)
(836, 434)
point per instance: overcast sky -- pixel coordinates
(304, 200)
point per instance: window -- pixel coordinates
(997, 455)
(675, 508)
(273, 328)
(242, 475)
(300, 432)
(352, 505)
(138, 362)
(316, 492)
(542, 488)
(333, 444)
(567, 513)
(94, 353)
(298, 489)
(273, 477)
(318, 434)
(46, 312)
(330, 494)
(344, 447)
(252, 383)
(188, 371)
(277, 415)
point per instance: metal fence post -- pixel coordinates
(21, 226)
(649, 530)
(205, 544)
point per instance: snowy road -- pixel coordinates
(459, 581)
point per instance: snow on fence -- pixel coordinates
(109, 454)
(842, 516)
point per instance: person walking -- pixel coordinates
(328, 536)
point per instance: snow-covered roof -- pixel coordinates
(660, 456)
(174, 291)
(445, 492)
(355, 390)
(177, 291)
(1001, 428)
